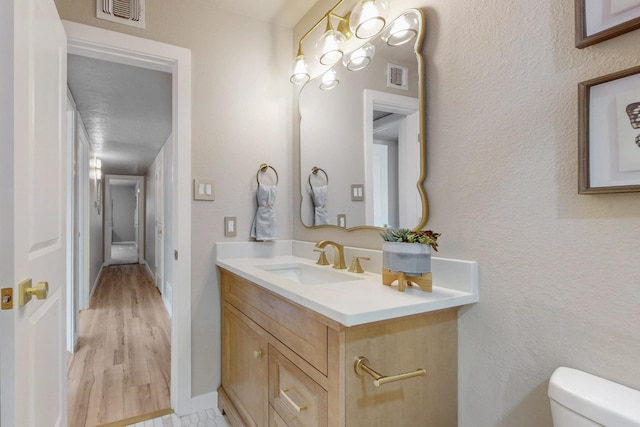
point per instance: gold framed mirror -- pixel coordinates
(362, 135)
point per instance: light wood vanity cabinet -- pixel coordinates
(285, 365)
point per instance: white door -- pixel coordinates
(34, 359)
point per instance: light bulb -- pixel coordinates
(402, 30)
(359, 59)
(329, 46)
(368, 18)
(329, 79)
(300, 73)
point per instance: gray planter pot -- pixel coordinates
(413, 259)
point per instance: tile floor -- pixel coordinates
(207, 418)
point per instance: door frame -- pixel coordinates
(126, 49)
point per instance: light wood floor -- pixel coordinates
(121, 367)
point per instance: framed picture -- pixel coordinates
(609, 133)
(599, 20)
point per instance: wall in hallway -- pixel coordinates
(96, 235)
(150, 217)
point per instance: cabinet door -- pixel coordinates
(245, 368)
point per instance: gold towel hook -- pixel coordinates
(263, 168)
(314, 171)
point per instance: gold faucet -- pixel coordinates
(338, 253)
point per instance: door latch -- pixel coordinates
(7, 298)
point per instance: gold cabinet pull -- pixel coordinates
(257, 354)
(285, 396)
(361, 367)
(25, 291)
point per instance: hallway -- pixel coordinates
(121, 367)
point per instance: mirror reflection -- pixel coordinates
(361, 144)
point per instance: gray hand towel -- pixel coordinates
(264, 223)
(319, 198)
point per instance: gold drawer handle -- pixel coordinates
(283, 393)
(361, 368)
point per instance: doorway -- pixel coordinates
(124, 219)
(391, 138)
(118, 47)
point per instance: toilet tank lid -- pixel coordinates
(603, 401)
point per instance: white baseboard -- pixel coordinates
(153, 276)
(95, 284)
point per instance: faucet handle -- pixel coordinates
(323, 257)
(355, 264)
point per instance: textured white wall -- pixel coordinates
(241, 118)
(559, 274)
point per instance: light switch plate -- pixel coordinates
(204, 189)
(230, 226)
(342, 220)
(357, 192)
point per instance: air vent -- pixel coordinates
(128, 12)
(397, 76)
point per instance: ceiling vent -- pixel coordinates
(128, 12)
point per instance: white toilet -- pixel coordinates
(579, 399)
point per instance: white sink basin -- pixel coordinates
(308, 274)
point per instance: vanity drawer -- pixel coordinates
(296, 399)
(297, 328)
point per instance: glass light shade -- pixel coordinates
(368, 18)
(300, 73)
(359, 59)
(98, 164)
(402, 30)
(330, 79)
(98, 174)
(329, 47)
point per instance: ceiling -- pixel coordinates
(127, 110)
(286, 13)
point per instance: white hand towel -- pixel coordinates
(319, 198)
(264, 223)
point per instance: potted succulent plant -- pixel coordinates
(408, 251)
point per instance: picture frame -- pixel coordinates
(609, 133)
(600, 20)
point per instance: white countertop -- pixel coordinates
(455, 282)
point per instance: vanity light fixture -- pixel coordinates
(359, 59)
(330, 79)
(403, 30)
(366, 20)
